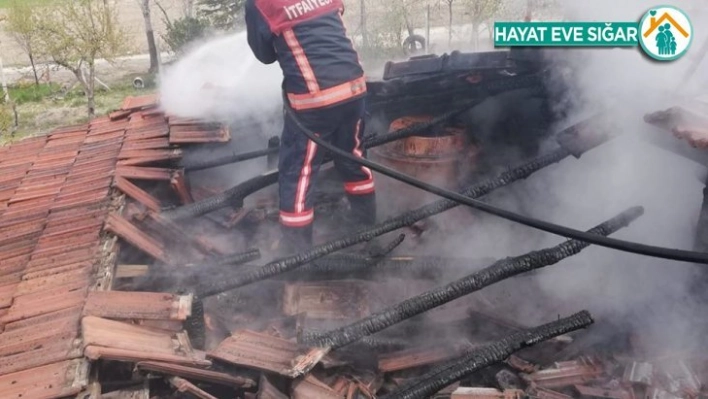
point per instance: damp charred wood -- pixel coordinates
(231, 197)
(195, 325)
(581, 137)
(498, 271)
(238, 258)
(272, 160)
(455, 370)
(406, 219)
(345, 265)
(390, 247)
(203, 164)
(367, 267)
(381, 344)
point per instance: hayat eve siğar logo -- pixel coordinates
(665, 33)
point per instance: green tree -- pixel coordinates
(77, 33)
(22, 26)
(179, 34)
(481, 11)
(222, 14)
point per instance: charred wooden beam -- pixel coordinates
(231, 197)
(362, 266)
(477, 359)
(195, 325)
(234, 259)
(407, 219)
(498, 271)
(272, 160)
(203, 164)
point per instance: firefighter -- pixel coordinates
(324, 84)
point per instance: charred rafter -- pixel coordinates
(496, 272)
(476, 359)
(407, 219)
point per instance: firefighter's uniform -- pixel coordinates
(324, 84)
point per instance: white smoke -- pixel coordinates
(578, 193)
(221, 80)
(651, 294)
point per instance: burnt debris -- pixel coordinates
(407, 219)
(499, 271)
(447, 373)
(344, 319)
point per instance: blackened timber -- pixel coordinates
(231, 197)
(194, 166)
(492, 274)
(237, 259)
(414, 267)
(476, 359)
(196, 325)
(406, 219)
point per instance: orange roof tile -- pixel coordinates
(56, 196)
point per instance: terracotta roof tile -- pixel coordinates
(198, 134)
(138, 305)
(144, 173)
(55, 221)
(135, 103)
(50, 381)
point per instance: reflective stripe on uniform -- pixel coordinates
(297, 219)
(302, 62)
(360, 187)
(330, 96)
(357, 149)
(304, 180)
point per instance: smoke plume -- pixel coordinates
(650, 296)
(222, 80)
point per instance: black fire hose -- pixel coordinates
(621, 245)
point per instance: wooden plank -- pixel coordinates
(183, 385)
(312, 388)
(125, 230)
(130, 271)
(138, 194)
(197, 374)
(144, 173)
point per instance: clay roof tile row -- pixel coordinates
(56, 196)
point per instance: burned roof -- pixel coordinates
(61, 197)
